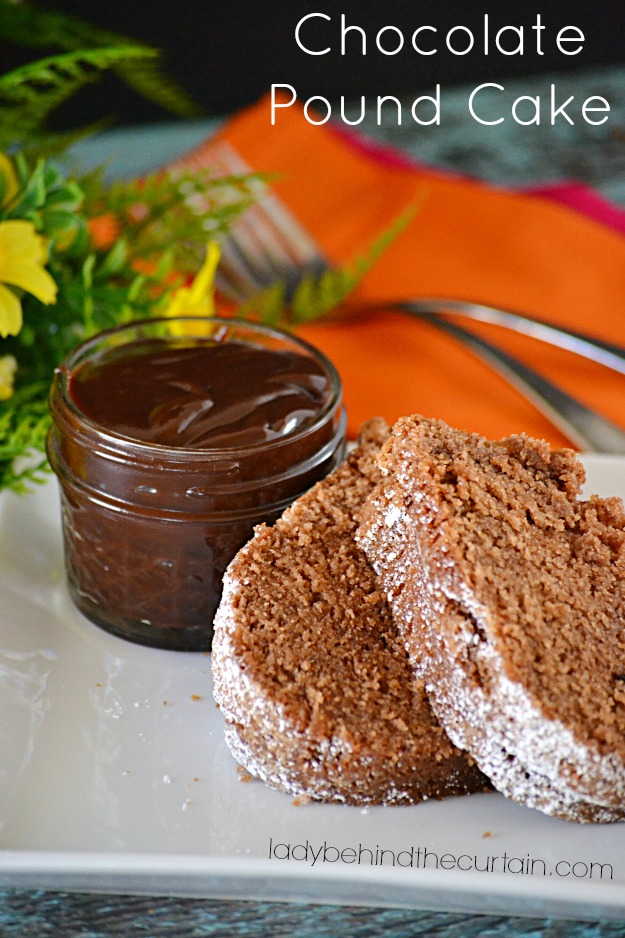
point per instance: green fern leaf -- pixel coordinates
(24, 24)
(28, 94)
(318, 295)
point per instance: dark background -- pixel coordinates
(227, 53)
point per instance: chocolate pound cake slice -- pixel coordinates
(312, 678)
(509, 592)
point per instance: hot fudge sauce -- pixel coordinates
(201, 396)
(169, 450)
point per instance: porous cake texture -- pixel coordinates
(509, 592)
(315, 685)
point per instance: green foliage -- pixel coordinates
(47, 199)
(24, 24)
(160, 224)
(29, 94)
(99, 285)
(24, 425)
(181, 209)
(319, 294)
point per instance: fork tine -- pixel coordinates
(285, 233)
(234, 279)
(295, 240)
(248, 265)
(267, 243)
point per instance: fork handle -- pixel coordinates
(588, 430)
(597, 350)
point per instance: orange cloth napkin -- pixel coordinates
(468, 240)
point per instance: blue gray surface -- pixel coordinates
(38, 914)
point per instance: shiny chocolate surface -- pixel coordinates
(201, 396)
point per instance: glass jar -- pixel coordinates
(149, 528)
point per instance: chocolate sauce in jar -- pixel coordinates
(201, 396)
(169, 450)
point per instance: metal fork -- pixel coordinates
(268, 244)
(587, 429)
(597, 350)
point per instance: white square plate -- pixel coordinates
(114, 776)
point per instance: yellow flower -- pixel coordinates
(9, 185)
(199, 298)
(22, 258)
(8, 369)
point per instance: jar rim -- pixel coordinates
(219, 324)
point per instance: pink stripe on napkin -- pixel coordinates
(574, 195)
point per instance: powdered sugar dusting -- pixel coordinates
(530, 755)
(300, 607)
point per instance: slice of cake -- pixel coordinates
(509, 592)
(313, 680)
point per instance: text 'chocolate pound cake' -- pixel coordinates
(510, 595)
(314, 683)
